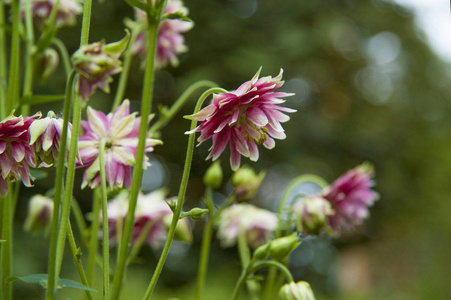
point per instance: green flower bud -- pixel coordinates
(282, 247)
(296, 291)
(262, 252)
(213, 176)
(40, 210)
(312, 215)
(195, 213)
(246, 183)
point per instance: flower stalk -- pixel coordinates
(105, 240)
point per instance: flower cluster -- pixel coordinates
(245, 118)
(151, 210)
(120, 130)
(170, 40)
(255, 223)
(339, 207)
(66, 13)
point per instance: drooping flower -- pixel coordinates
(16, 155)
(152, 213)
(120, 129)
(257, 225)
(350, 196)
(312, 215)
(65, 15)
(40, 210)
(45, 136)
(245, 118)
(46, 64)
(170, 41)
(246, 183)
(96, 64)
(296, 291)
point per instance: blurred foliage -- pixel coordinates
(368, 88)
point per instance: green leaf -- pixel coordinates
(38, 99)
(41, 279)
(176, 15)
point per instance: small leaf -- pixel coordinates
(178, 15)
(41, 279)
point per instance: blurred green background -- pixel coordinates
(368, 88)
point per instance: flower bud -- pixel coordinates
(246, 183)
(46, 64)
(40, 210)
(196, 213)
(312, 215)
(280, 248)
(296, 291)
(213, 176)
(262, 252)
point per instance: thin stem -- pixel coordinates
(239, 285)
(105, 240)
(79, 220)
(273, 263)
(146, 106)
(59, 188)
(123, 79)
(178, 104)
(93, 238)
(137, 245)
(29, 64)
(63, 53)
(181, 195)
(3, 72)
(7, 236)
(13, 87)
(84, 39)
(206, 244)
(76, 255)
(245, 257)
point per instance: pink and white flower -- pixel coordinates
(66, 13)
(245, 118)
(16, 155)
(45, 136)
(120, 129)
(255, 223)
(170, 40)
(350, 196)
(151, 210)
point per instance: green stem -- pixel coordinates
(7, 235)
(93, 238)
(80, 221)
(105, 240)
(137, 245)
(29, 64)
(59, 188)
(14, 85)
(146, 106)
(206, 243)
(84, 39)
(276, 264)
(76, 255)
(128, 55)
(181, 195)
(178, 104)
(63, 53)
(272, 275)
(239, 285)
(3, 72)
(245, 257)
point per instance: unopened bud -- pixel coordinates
(40, 210)
(46, 64)
(312, 215)
(195, 213)
(296, 291)
(213, 176)
(282, 247)
(262, 252)
(246, 183)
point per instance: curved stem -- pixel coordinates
(239, 285)
(105, 241)
(59, 187)
(206, 243)
(146, 106)
(273, 263)
(181, 196)
(128, 55)
(178, 104)
(63, 53)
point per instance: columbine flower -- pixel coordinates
(40, 210)
(121, 130)
(66, 14)
(256, 223)
(16, 156)
(151, 210)
(312, 214)
(46, 64)
(97, 63)
(248, 117)
(296, 291)
(170, 40)
(350, 196)
(45, 136)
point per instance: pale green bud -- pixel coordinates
(213, 176)
(195, 213)
(262, 252)
(246, 183)
(296, 291)
(282, 247)
(312, 215)
(40, 210)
